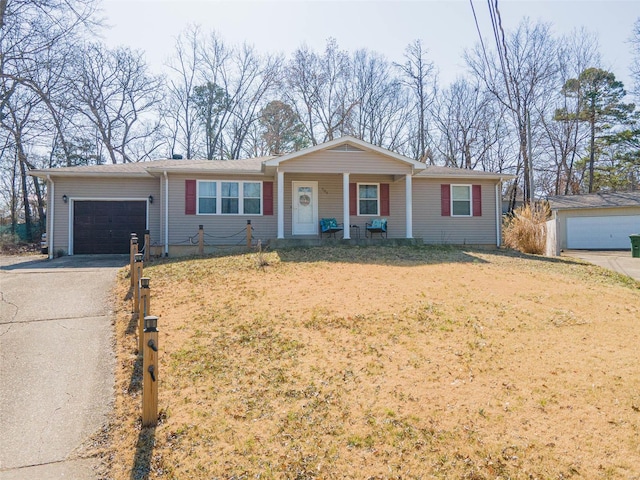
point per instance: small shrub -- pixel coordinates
(526, 230)
(261, 260)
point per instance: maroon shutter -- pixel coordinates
(267, 198)
(445, 200)
(353, 199)
(477, 200)
(189, 197)
(384, 200)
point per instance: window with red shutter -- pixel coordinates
(189, 197)
(353, 199)
(267, 198)
(445, 200)
(477, 200)
(384, 200)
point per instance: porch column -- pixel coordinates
(280, 187)
(345, 206)
(409, 205)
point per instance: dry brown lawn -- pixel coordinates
(383, 362)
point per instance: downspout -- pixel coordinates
(166, 214)
(498, 212)
(50, 213)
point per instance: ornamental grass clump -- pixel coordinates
(526, 229)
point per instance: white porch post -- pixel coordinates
(280, 187)
(345, 206)
(409, 205)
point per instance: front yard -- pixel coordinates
(383, 362)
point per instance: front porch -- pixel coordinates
(355, 242)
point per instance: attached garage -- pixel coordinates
(599, 221)
(105, 226)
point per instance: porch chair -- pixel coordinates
(377, 225)
(330, 226)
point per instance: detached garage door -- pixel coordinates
(601, 233)
(105, 227)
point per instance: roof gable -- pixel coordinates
(346, 144)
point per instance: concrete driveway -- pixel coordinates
(617, 260)
(56, 363)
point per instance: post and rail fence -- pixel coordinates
(147, 331)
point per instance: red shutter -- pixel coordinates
(189, 197)
(267, 198)
(353, 199)
(384, 200)
(477, 200)
(445, 200)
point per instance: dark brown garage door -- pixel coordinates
(105, 227)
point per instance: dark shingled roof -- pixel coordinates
(250, 165)
(435, 171)
(595, 200)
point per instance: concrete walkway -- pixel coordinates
(617, 260)
(56, 363)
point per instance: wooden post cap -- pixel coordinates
(150, 323)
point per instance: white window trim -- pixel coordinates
(358, 199)
(470, 187)
(241, 198)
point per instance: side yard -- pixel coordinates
(380, 362)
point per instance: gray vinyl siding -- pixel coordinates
(327, 161)
(330, 201)
(218, 229)
(90, 188)
(433, 228)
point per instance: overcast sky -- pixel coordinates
(445, 26)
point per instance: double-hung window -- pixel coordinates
(251, 198)
(461, 200)
(207, 197)
(368, 199)
(229, 198)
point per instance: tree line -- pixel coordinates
(532, 103)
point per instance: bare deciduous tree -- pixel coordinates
(419, 75)
(519, 74)
(118, 97)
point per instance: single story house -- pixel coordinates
(596, 221)
(92, 209)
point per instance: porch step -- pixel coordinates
(361, 242)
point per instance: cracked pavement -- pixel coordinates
(56, 363)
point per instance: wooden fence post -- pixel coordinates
(145, 311)
(137, 274)
(248, 233)
(147, 245)
(201, 239)
(133, 249)
(150, 372)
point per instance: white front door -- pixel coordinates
(305, 208)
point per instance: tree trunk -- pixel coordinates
(25, 191)
(592, 153)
